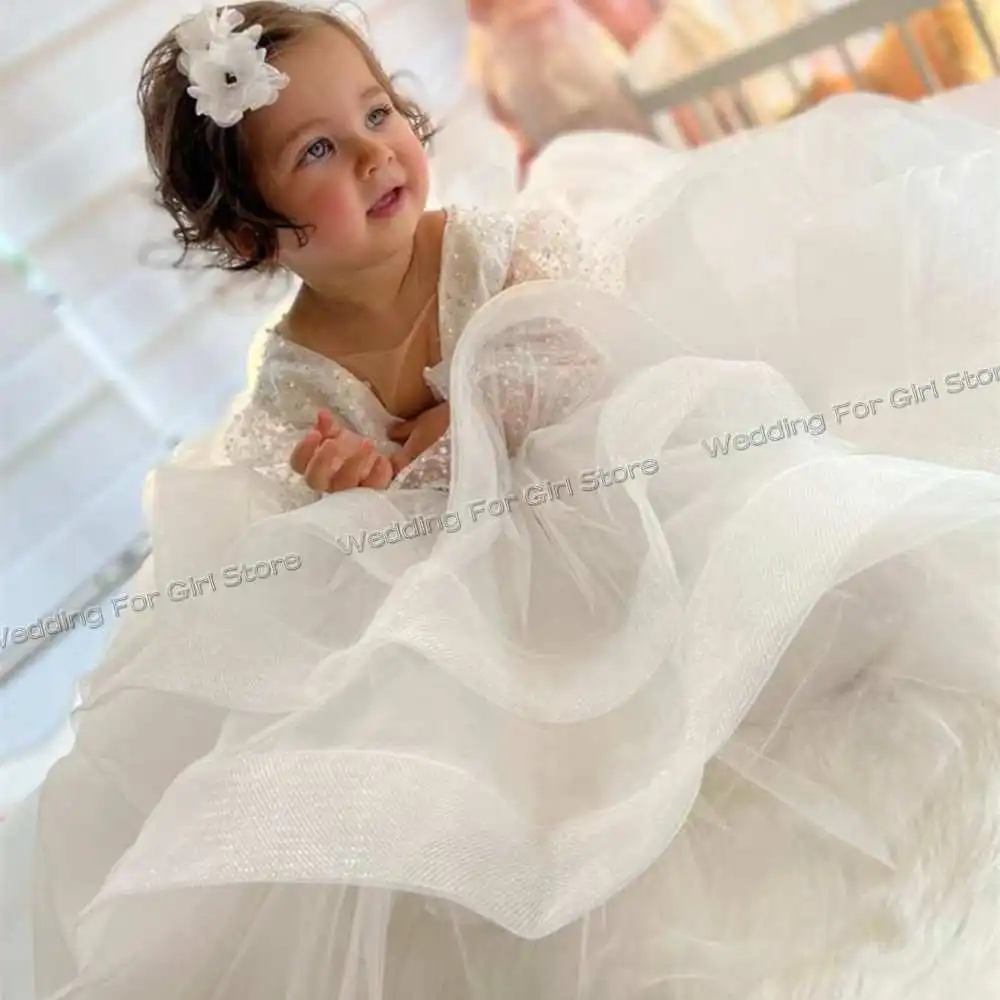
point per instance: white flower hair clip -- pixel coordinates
(228, 70)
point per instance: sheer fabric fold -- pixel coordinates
(692, 694)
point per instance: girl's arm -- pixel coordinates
(545, 370)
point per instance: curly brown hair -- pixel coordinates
(203, 173)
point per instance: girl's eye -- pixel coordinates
(378, 115)
(316, 151)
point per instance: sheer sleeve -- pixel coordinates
(267, 423)
(255, 436)
(429, 470)
(548, 245)
(546, 370)
(258, 437)
(539, 377)
(543, 370)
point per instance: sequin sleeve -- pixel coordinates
(538, 377)
(267, 424)
(548, 245)
(547, 370)
(429, 470)
(255, 436)
(474, 264)
(543, 370)
(261, 439)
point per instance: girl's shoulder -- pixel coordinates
(475, 260)
(494, 249)
(476, 246)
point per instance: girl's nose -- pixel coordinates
(372, 156)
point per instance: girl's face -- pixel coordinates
(333, 154)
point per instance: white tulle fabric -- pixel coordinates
(727, 728)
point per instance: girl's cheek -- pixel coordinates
(415, 163)
(327, 216)
(333, 210)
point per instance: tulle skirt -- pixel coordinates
(692, 698)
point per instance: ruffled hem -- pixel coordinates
(600, 722)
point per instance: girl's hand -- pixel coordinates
(419, 434)
(332, 458)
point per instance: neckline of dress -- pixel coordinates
(405, 342)
(278, 339)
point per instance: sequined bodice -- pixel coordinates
(481, 254)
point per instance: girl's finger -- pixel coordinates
(401, 431)
(348, 475)
(415, 446)
(303, 452)
(380, 476)
(326, 425)
(369, 467)
(400, 461)
(345, 444)
(324, 466)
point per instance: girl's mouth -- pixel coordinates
(388, 204)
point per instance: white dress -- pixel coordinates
(722, 723)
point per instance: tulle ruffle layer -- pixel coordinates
(692, 697)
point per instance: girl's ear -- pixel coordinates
(241, 242)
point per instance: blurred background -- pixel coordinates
(110, 355)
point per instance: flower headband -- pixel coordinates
(228, 71)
